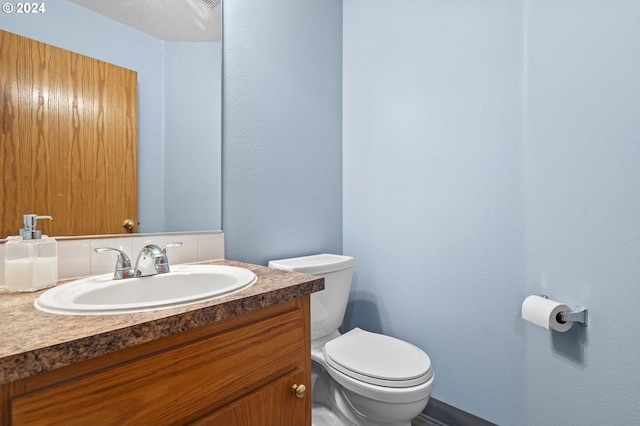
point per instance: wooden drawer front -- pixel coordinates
(179, 384)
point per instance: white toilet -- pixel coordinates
(358, 378)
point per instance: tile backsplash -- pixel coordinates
(77, 257)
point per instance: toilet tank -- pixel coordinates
(327, 306)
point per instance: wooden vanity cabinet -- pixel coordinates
(239, 371)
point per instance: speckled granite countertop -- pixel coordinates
(32, 341)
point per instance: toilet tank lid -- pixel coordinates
(315, 264)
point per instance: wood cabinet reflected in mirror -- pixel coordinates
(68, 140)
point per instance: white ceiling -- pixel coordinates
(170, 20)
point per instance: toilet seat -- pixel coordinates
(378, 359)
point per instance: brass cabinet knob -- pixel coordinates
(299, 390)
(128, 224)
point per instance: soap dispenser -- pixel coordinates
(31, 259)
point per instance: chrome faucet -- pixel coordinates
(152, 260)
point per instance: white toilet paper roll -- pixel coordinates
(544, 312)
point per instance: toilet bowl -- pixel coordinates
(359, 377)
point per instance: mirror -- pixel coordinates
(176, 49)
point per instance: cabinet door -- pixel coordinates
(273, 405)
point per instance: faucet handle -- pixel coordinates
(163, 266)
(175, 244)
(123, 263)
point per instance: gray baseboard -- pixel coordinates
(439, 413)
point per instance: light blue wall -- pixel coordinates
(192, 172)
(491, 151)
(282, 128)
(582, 191)
(433, 209)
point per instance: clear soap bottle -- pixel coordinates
(31, 259)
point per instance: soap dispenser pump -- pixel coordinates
(31, 260)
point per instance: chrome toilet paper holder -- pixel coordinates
(579, 315)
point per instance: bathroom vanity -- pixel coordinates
(241, 359)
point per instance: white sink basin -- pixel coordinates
(185, 284)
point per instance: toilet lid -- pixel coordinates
(378, 359)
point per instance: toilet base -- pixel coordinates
(332, 407)
(322, 415)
